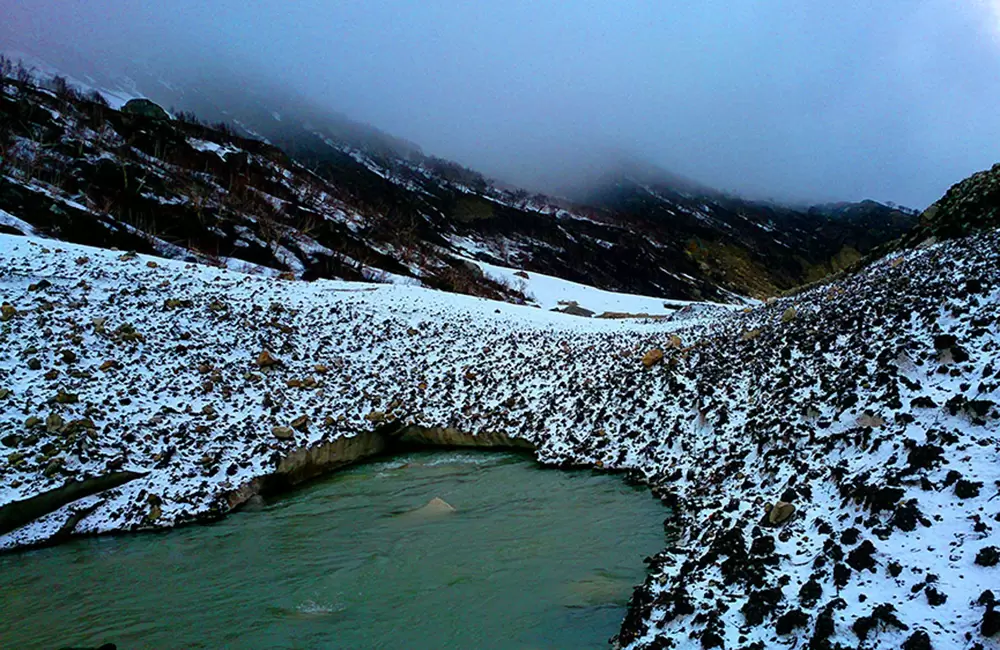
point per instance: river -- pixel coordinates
(530, 558)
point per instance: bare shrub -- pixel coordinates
(23, 74)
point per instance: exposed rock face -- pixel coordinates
(449, 437)
(15, 514)
(314, 460)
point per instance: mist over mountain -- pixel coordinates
(792, 101)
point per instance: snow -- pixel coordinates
(9, 220)
(206, 145)
(550, 292)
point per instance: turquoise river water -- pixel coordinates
(530, 558)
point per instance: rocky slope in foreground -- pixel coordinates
(832, 457)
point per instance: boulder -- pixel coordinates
(789, 315)
(265, 360)
(54, 423)
(283, 433)
(652, 357)
(145, 108)
(436, 507)
(779, 513)
(573, 309)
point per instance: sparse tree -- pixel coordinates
(23, 77)
(6, 72)
(187, 117)
(6, 147)
(62, 88)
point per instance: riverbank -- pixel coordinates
(854, 405)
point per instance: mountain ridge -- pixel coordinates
(410, 205)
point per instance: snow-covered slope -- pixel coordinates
(867, 407)
(549, 292)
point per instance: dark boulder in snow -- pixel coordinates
(146, 108)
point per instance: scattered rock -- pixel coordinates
(990, 625)
(652, 357)
(265, 360)
(988, 556)
(283, 433)
(54, 422)
(967, 489)
(62, 397)
(919, 640)
(791, 620)
(573, 309)
(779, 512)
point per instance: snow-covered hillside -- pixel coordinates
(831, 457)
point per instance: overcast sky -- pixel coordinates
(792, 99)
